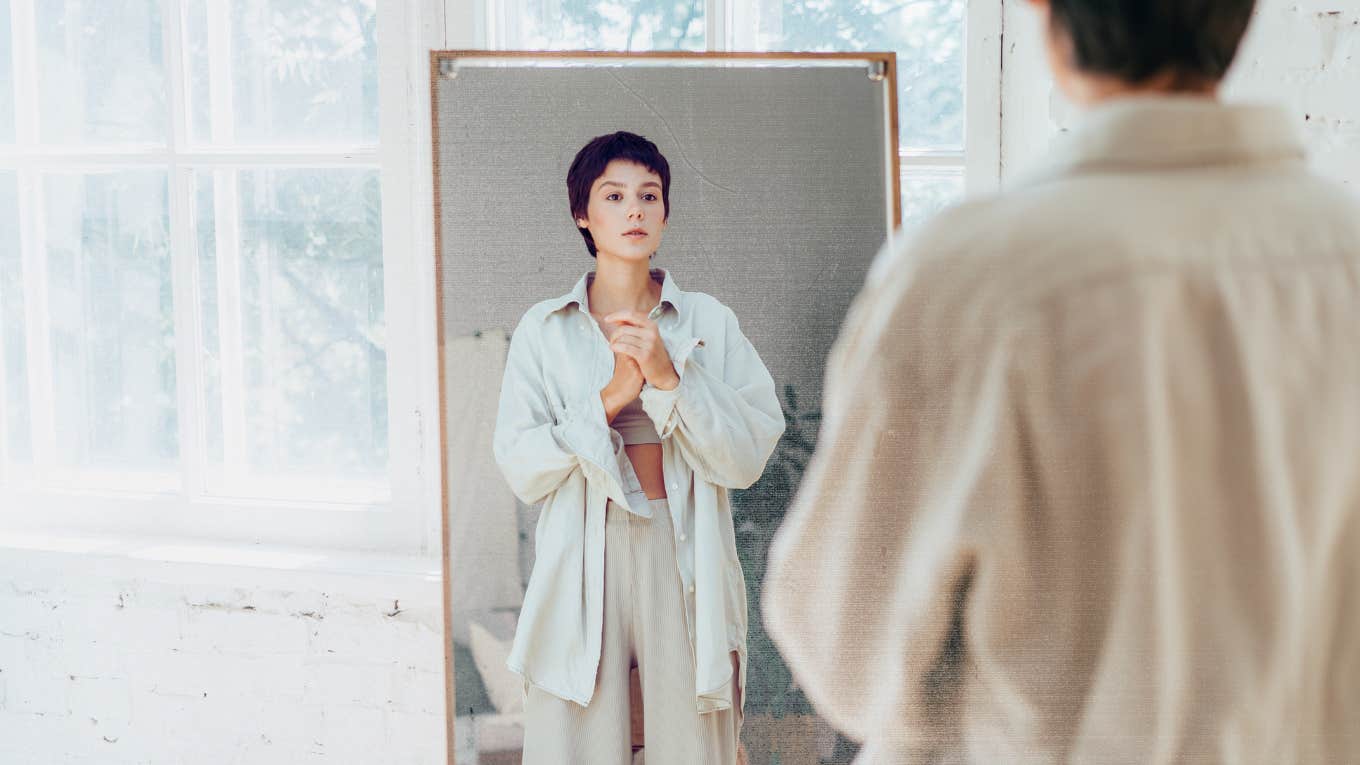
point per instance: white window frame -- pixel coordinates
(399, 518)
(408, 521)
(487, 24)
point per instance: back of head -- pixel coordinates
(1135, 40)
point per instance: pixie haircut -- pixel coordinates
(1133, 40)
(591, 161)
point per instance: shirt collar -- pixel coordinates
(670, 292)
(1162, 131)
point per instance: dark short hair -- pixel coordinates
(595, 156)
(1134, 40)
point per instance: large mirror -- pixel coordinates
(783, 187)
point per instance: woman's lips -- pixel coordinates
(636, 235)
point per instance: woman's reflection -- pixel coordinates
(629, 408)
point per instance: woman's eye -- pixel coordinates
(611, 196)
(651, 197)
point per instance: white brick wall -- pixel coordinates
(106, 658)
(1302, 54)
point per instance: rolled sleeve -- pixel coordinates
(584, 430)
(658, 403)
(725, 426)
(536, 449)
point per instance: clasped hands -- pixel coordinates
(636, 340)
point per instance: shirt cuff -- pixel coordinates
(584, 428)
(660, 404)
(586, 432)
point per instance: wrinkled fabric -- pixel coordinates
(1088, 482)
(554, 445)
(644, 623)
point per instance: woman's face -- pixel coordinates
(624, 200)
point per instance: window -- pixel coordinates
(934, 67)
(215, 227)
(197, 263)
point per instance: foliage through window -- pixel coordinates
(236, 204)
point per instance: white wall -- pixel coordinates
(1302, 54)
(144, 650)
(119, 653)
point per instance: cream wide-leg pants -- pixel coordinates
(644, 624)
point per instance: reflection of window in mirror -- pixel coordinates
(928, 38)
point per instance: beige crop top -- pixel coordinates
(634, 425)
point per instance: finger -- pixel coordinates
(629, 317)
(644, 337)
(627, 345)
(633, 333)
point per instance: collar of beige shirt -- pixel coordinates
(1163, 131)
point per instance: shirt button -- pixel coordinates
(682, 536)
(672, 487)
(691, 589)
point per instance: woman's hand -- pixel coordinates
(637, 337)
(623, 387)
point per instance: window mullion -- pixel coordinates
(499, 15)
(718, 24)
(37, 328)
(4, 405)
(407, 207)
(175, 63)
(266, 190)
(932, 159)
(188, 337)
(227, 218)
(226, 215)
(184, 261)
(32, 255)
(982, 37)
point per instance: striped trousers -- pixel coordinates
(644, 625)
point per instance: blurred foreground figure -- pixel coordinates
(1087, 488)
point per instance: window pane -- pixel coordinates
(303, 379)
(112, 321)
(100, 72)
(630, 25)
(927, 36)
(926, 192)
(6, 76)
(299, 71)
(13, 362)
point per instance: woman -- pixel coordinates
(629, 408)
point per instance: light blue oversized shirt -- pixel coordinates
(554, 445)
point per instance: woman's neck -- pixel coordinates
(619, 285)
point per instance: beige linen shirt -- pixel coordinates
(1088, 482)
(552, 441)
